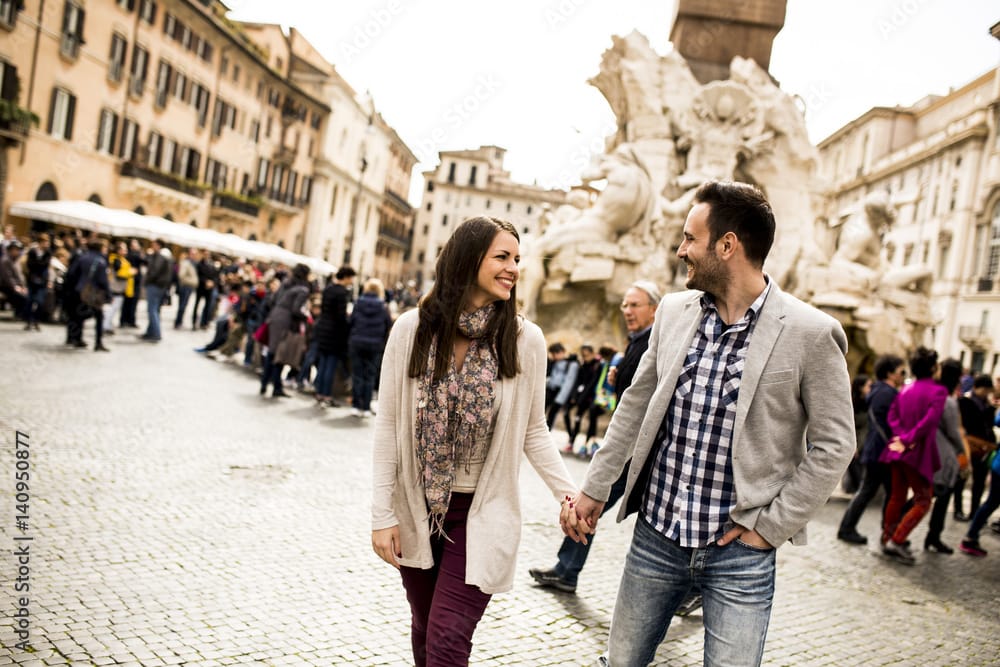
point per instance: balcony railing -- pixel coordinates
(975, 336)
(136, 170)
(984, 285)
(225, 200)
(69, 46)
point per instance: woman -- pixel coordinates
(462, 397)
(370, 324)
(912, 454)
(286, 313)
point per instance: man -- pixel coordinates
(331, 332)
(638, 308)
(978, 414)
(208, 291)
(89, 269)
(890, 371)
(12, 278)
(737, 379)
(137, 261)
(158, 274)
(39, 281)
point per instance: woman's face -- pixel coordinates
(498, 271)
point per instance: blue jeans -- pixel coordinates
(737, 587)
(154, 301)
(986, 509)
(183, 296)
(36, 302)
(324, 376)
(364, 367)
(573, 555)
(312, 356)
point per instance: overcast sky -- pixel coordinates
(457, 74)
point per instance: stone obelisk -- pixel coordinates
(710, 33)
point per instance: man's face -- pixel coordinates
(637, 310)
(982, 392)
(705, 271)
(897, 376)
(586, 354)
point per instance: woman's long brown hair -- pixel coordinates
(455, 277)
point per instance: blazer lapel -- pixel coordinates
(765, 334)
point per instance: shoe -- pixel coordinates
(938, 546)
(356, 412)
(199, 350)
(567, 448)
(550, 579)
(34, 325)
(691, 603)
(79, 343)
(852, 537)
(27, 327)
(109, 332)
(263, 389)
(972, 548)
(995, 527)
(370, 413)
(101, 348)
(898, 552)
(279, 393)
(962, 516)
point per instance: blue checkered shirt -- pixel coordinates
(691, 490)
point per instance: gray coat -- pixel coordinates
(795, 390)
(950, 444)
(289, 300)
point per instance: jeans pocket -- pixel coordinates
(752, 547)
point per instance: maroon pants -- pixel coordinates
(445, 609)
(904, 478)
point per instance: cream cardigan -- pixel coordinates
(494, 525)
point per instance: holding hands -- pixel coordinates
(578, 516)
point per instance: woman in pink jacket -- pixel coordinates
(912, 454)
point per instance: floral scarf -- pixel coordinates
(453, 415)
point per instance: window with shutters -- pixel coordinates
(126, 5)
(61, 114)
(163, 74)
(128, 146)
(9, 84)
(147, 11)
(154, 149)
(116, 59)
(72, 30)
(8, 12)
(180, 86)
(138, 71)
(107, 128)
(262, 172)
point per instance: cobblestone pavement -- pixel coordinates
(179, 518)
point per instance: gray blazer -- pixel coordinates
(795, 389)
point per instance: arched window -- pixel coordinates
(993, 243)
(47, 192)
(139, 210)
(95, 199)
(168, 216)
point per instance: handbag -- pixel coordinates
(261, 334)
(92, 295)
(978, 447)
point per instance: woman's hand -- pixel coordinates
(896, 445)
(385, 542)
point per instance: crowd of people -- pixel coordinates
(920, 442)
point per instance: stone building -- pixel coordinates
(465, 184)
(167, 108)
(939, 162)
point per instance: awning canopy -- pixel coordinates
(119, 222)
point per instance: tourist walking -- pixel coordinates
(716, 421)
(461, 403)
(370, 324)
(912, 453)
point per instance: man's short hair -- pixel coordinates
(982, 381)
(742, 209)
(651, 290)
(556, 348)
(345, 272)
(886, 364)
